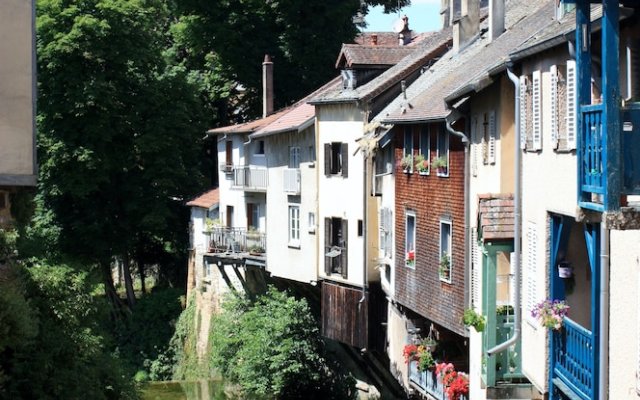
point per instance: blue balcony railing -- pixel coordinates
(428, 382)
(573, 358)
(592, 151)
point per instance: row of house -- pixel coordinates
(484, 168)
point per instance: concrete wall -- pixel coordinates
(285, 259)
(17, 101)
(624, 324)
(548, 186)
(338, 196)
(397, 338)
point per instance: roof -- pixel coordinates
(206, 199)
(247, 127)
(433, 45)
(298, 117)
(495, 216)
(425, 100)
(355, 55)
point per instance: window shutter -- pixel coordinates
(327, 245)
(345, 159)
(476, 267)
(536, 113)
(553, 71)
(492, 137)
(344, 254)
(572, 106)
(523, 112)
(327, 159)
(475, 146)
(532, 259)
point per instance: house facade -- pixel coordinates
(17, 102)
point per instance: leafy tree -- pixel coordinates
(119, 130)
(272, 348)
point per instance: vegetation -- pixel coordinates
(472, 318)
(272, 347)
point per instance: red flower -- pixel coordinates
(409, 352)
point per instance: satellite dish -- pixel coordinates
(398, 25)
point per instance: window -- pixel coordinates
(386, 226)
(230, 216)
(312, 155)
(253, 215)
(410, 240)
(227, 167)
(425, 146)
(294, 157)
(441, 163)
(408, 146)
(294, 225)
(336, 159)
(312, 222)
(489, 134)
(445, 262)
(335, 240)
(360, 228)
(260, 148)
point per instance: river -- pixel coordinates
(200, 390)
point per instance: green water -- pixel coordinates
(200, 390)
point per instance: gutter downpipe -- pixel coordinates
(604, 312)
(465, 140)
(517, 317)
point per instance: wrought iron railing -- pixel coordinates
(592, 152)
(573, 358)
(236, 240)
(291, 180)
(250, 178)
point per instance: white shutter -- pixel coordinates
(537, 111)
(532, 260)
(553, 71)
(475, 146)
(523, 112)
(476, 268)
(492, 137)
(572, 105)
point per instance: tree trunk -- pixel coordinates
(110, 291)
(128, 281)
(143, 286)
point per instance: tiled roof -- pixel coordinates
(426, 96)
(355, 55)
(495, 216)
(433, 45)
(298, 116)
(248, 127)
(206, 199)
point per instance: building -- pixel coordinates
(17, 102)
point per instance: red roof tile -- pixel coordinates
(495, 216)
(206, 200)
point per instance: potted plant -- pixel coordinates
(410, 259)
(407, 163)
(256, 249)
(456, 384)
(425, 359)
(444, 269)
(410, 352)
(565, 270)
(441, 165)
(550, 313)
(472, 318)
(422, 164)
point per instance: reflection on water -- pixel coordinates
(200, 390)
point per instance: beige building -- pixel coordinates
(17, 101)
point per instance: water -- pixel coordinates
(200, 390)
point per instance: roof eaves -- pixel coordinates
(297, 128)
(415, 120)
(542, 46)
(343, 100)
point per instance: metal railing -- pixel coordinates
(573, 358)
(250, 178)
(592, 151)
(291, 180)
(236, 240)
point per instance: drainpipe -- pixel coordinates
(516, 226)
(604, 313)
(465, 141)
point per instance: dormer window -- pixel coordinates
(349, 79)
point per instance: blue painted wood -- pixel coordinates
(583, 89)
(574, 356)
(630, 120)
(592, 238)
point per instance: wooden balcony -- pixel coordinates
(252, 179)
(291, 180)
(573, 361)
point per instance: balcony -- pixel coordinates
(573, 361)
(291, 180)
(252, 179)
(236, 241)
(226, 168)
(427, 382)
(596, 181)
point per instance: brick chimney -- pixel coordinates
(267, 86)
(467, 26)
(496, 19)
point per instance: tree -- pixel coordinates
(119, 130)
(272, 348)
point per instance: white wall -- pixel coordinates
(341, 197)
(228, 195)
(284, 260)
(624, 339)
(387, 200)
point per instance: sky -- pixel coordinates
(424, 16)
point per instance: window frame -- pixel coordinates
(444, 222)
(294, 157)
(408, 145)
(410, 214)
(424, 144)
(260, 148)
(443, 136)
(293, 225)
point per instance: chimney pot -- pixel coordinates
(496, 18)
(374, 39)
(267, 86)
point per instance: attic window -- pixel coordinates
(349, 79)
